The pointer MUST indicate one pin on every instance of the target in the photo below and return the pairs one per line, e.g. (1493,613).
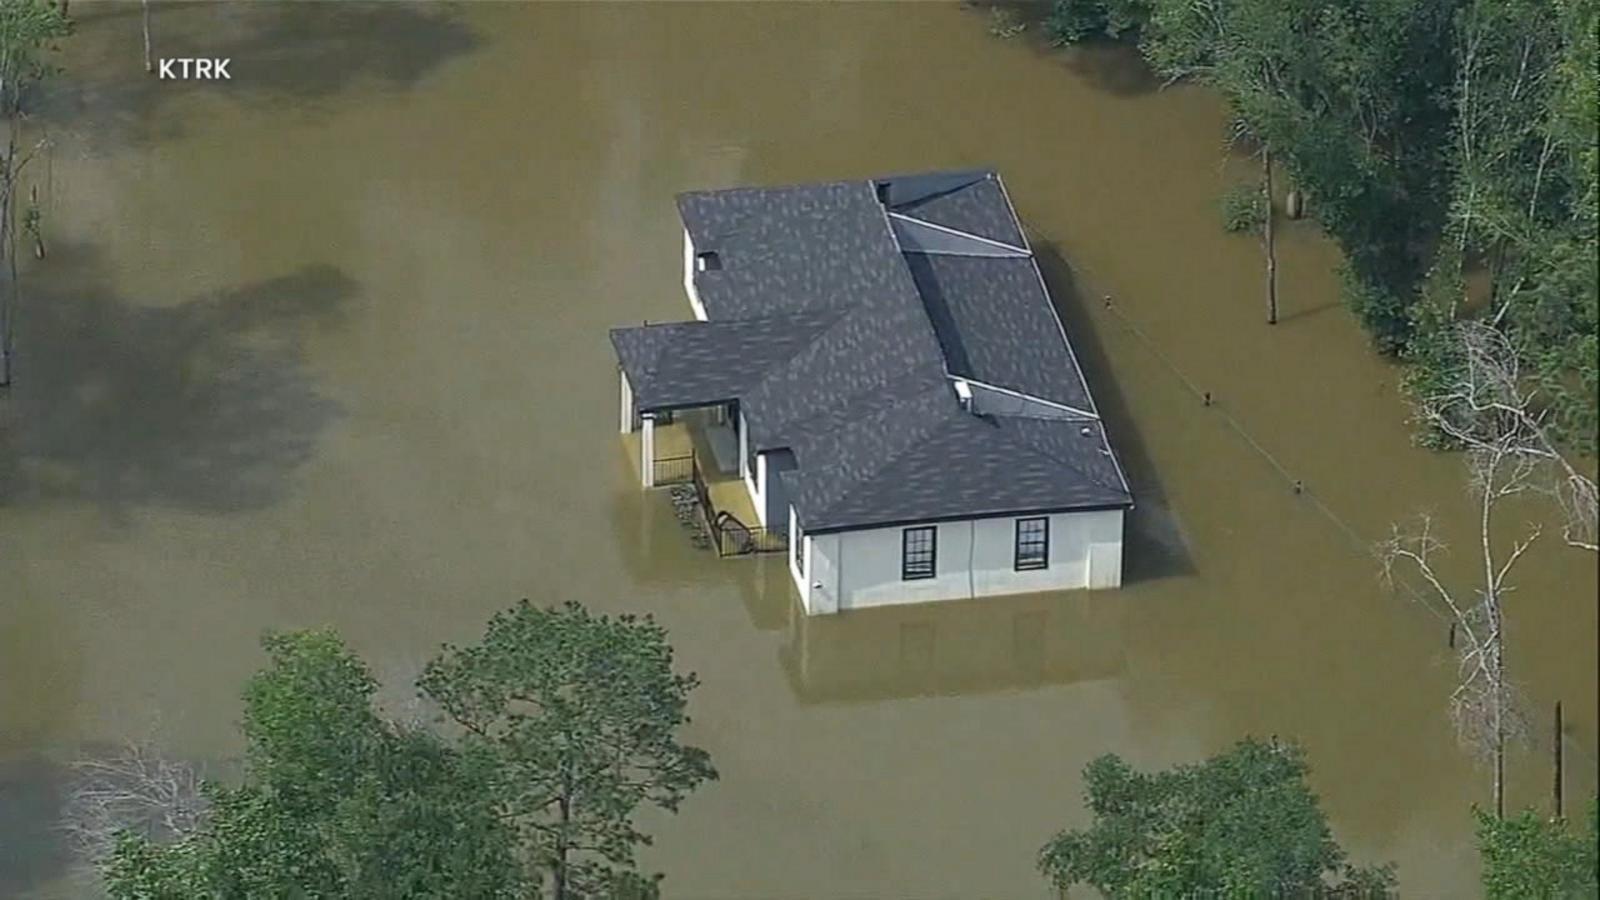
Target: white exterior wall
(974,558)
(688,277)
(801,582)
(755,480)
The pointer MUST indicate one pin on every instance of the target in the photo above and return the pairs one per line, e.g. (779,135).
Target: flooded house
(878,381)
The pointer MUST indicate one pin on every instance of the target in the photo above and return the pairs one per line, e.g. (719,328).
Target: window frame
(1039,540)
(907,572)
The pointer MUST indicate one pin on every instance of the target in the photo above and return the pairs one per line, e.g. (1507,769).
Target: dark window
(918,552)
(709,261)
(799,550)
(1033,543)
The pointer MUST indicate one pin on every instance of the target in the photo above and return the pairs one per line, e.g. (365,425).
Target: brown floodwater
(326,344)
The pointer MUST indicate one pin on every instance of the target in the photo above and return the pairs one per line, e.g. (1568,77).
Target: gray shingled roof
(997,326)
(839,330)
(978,207)
(684,364)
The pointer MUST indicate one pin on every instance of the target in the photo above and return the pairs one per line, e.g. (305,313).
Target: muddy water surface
(325,344)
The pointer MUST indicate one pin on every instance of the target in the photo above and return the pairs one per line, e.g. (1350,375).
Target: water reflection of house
(878,368)
(964,647)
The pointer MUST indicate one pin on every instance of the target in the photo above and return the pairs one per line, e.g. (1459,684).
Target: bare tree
(133,789)
(1484,707)
(1488,407)
(144,10)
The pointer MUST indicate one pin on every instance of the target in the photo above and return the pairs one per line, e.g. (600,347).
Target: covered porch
(678,412)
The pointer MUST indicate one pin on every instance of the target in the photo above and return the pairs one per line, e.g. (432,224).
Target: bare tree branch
(132,789)
(1487,409)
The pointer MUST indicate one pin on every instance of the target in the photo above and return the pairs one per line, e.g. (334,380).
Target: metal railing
(729,536)
(673,470)
(734,538)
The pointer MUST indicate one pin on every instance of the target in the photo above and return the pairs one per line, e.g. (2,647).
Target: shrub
(1243,208)
(1005,23)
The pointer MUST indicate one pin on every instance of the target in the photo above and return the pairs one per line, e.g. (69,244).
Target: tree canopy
(335,801)
(1529,856)
(581,713)
(567,724)
(1442,143)
(1242,823)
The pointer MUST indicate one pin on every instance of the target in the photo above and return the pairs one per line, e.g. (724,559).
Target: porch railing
(729,536)
(673,470)
(734,538)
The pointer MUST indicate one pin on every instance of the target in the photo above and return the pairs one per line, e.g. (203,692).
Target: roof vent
(964,394)
(708,261)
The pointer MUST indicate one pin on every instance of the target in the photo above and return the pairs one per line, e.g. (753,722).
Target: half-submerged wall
(974,558)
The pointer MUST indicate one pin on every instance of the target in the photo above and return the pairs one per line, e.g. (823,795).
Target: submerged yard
(326,345)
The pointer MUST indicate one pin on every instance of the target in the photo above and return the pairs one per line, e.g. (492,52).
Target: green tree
(1241,824)
(581,714)
(1523,195)
(1071,21)
(335,802)
(28,29)
(1528,857)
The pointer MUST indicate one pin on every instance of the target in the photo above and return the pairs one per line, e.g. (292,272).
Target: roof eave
(967,517)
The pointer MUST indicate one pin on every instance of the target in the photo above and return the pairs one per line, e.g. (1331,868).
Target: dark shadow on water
(1154,546)
(33,850)
(954,648)
(1308,313)
(37,847)
(1111,66)
(288,55)
(204,405)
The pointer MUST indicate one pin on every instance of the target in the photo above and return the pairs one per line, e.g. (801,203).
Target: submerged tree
(1480,399)
(581,715)
(335,802)
(1243,824)
(1484,705)
(27,30)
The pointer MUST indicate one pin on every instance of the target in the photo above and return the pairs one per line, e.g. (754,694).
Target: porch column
(647,451)
(626,425)
(744,447)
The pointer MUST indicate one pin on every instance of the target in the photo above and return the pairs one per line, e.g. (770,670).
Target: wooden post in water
(1272,252)
(1558,759)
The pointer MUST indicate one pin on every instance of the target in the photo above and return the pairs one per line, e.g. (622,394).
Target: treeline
(1442,144)
(1245,823)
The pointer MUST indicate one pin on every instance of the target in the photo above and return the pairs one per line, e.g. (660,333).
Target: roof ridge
(980,175)
(1015,251)
(727,325)
(870,479)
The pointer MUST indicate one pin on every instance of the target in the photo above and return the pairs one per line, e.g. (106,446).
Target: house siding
(858,569)
(688,277)
(776,509)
